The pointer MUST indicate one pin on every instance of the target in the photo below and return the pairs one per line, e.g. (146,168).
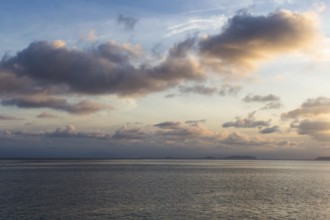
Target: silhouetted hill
(323,158)
(240,158)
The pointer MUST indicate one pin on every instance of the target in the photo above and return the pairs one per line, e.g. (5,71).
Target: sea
(164,189)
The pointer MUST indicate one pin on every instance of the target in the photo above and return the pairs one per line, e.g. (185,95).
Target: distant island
(323,158)
(232,157)
(240,158)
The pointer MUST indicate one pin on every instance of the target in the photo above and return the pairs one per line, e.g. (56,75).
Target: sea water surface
(164,189)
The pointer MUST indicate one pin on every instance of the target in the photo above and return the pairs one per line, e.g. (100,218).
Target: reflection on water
(164,189)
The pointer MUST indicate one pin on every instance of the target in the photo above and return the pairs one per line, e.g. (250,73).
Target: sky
(157,79)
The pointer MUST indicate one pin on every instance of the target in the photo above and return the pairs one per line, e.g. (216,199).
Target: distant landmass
(240,158)
(232,157)
(323,158)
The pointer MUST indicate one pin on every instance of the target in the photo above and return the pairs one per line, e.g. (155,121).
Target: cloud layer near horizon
(311,118)
(41,75)
(165,139)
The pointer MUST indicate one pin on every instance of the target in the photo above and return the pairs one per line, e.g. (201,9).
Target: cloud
(269,130)
(249,122)
(180,140)
(183,133)
(229,89)
(319,6)
(46,115)
(310,108)
(214,22)
(9,118)
(10,83)
(70,131)
(237,138)
(259,98)
(198,89)
(128,22)
(319,130)
(226,89)
(89,37)
(170,96)
(178,131)
(109,68)
(272,105)
(287,143)
(53,70)
(58,44)
(82,107)
(168,125)
(247,40)
(273,100)
(194,122)
(133,134)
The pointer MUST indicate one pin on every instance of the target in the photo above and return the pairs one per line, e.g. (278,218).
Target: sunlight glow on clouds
(247,40)
(106,82)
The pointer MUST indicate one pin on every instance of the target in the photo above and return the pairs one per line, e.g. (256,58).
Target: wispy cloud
(270,130)
(310,108)
(249,122)
(128,22)
(211,23)
(46,115)
(9,118)
(198,89)
(82,107)
(260,98)
(273,100)
(131,134)
(226,89)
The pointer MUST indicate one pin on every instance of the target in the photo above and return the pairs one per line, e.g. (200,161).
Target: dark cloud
(198,89)
(226,89)
(317,129)
(260,98)
(310,108)
(294,124)
(273,101)
(9,118)
(46,115)
(132,134)
(249,122)
(272,105)
(177,131)
(229,89)
(70,131)
(168,125)
(170,96)
(82,107)
(248,39)
(136,142)
(236,138)
(287,143)
(10,83)
(128,22)
(107,69)
(270,130)
(51,69)
(193,122)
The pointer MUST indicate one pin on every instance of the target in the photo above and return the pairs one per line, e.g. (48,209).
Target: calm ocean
(164,189)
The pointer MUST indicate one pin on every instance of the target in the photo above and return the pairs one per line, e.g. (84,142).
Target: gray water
(164,189)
